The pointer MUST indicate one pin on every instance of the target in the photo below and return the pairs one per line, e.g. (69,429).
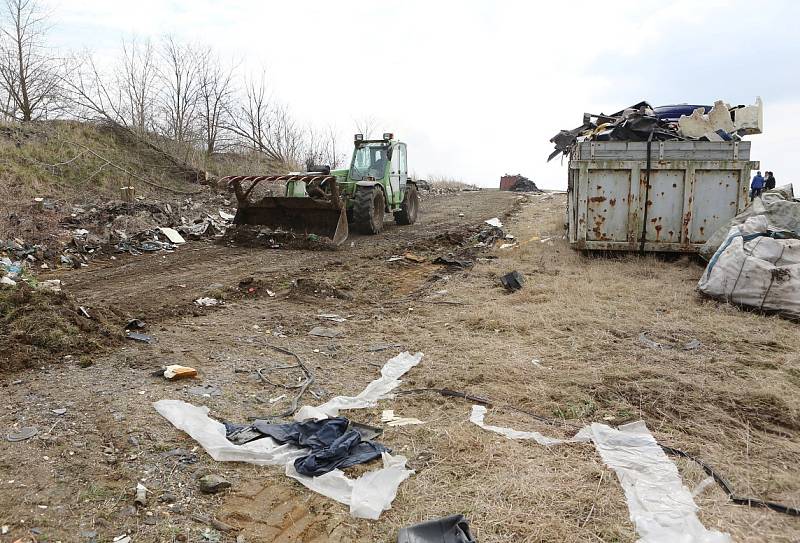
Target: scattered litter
(331,443)
(213,484)
(494,222)
(454,262)
(211,535)
(205,390)
(702,486)
(647,342)
(460,214)
(545,240)
(452,529)
(59,411)
(537,363)
(226,216)
(270,293)
(141,495)
(181,455)
(23,433)
(135,324)
(7,281)
(279,398)
(391,419)
(124,538)
(479,412)
(172,235)
(512,281)
(377,347)
(414,258)
(144,338)
(509,245)
(692,345)
(331,317)
(175,371)
(207,302)
(51,285)
(321,331)
(368,496)
(395,258)
(84,312)
(376,390)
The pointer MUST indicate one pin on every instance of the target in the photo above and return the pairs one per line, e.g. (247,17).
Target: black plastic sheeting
(333,442)
(452,529)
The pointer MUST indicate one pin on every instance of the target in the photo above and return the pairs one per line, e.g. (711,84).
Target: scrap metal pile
(642,122)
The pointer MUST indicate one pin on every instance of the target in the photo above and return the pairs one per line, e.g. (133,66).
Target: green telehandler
(325,202)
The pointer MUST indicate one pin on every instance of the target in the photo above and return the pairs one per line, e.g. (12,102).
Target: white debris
(51,285)
(225,216)
(750,119)
(7,281)
(494,222)
(172,235)
(661,507)
(479,412)
(390,419)
(207,302)
(376,390)
(277,399)
(331,317)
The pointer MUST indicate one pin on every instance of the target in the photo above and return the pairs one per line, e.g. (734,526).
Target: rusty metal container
(618,200)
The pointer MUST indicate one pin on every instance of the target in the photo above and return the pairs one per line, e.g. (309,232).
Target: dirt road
(732,401)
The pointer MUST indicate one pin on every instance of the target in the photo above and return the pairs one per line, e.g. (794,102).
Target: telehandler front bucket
(321,212)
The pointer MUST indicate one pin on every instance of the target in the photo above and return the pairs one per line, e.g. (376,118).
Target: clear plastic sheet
(660,506)
(368,496)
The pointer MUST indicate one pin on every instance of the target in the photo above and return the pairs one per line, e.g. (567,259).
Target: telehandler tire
(368,210)
(409,209)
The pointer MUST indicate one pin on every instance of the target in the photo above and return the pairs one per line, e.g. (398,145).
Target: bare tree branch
(29,73)
(215,99)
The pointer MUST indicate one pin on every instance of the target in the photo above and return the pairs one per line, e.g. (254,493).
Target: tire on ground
(409,209)
(368,210)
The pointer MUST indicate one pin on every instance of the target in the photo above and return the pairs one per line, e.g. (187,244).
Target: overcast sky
(477,88)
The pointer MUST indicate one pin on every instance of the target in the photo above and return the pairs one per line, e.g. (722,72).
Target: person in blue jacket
(756,186)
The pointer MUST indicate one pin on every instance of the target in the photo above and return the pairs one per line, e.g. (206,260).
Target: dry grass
(447,183)
(733,402)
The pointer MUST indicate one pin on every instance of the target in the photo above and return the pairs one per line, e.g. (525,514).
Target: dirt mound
(37,326)
(244,235)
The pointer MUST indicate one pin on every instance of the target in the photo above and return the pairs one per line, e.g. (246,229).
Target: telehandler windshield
(369,161)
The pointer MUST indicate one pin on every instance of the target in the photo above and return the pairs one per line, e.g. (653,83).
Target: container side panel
(607,207)
(664,205)
(716,193)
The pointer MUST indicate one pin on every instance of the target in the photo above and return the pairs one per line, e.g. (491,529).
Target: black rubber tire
(409,209)
(368,210)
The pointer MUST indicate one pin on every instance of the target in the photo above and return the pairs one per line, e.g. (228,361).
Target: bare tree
(136,80)
(92,94)
(320,148)
(180,89)
(267,127)
(28,72)
(366,126)
(214,101)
